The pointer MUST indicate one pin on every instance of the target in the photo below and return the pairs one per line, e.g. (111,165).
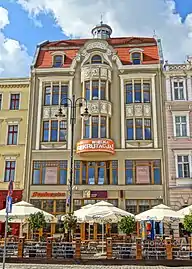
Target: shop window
(138,91)
(14,101)
(55,93)
(142,172)
(138,206)
(96,173)
(53,206)
(50,172)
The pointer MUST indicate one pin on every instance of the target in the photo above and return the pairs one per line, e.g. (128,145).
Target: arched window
(57,60)
(136,58)
(96,59)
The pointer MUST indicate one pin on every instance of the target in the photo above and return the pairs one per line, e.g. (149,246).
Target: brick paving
(52,266)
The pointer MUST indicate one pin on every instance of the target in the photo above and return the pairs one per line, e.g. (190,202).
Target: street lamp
(73,104)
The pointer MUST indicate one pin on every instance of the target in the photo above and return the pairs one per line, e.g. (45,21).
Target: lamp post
(73,104)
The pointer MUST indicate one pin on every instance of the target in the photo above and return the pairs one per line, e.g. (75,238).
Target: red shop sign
(99,194)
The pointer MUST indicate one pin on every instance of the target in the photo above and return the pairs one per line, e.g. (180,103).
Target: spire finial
(101,19)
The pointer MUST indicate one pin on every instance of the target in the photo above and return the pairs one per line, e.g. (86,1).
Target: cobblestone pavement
(52,266)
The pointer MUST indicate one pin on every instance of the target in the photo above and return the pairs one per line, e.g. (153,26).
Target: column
(154,113)
(122,115)
(39,109)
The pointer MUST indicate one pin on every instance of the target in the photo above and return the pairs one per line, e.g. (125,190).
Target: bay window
(96,173)
(138,129)
(143,172)
(97,90)
(49,172)
(96,127)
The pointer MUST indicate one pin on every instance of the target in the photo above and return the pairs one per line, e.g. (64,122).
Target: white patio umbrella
(185,211)
(160,213)
(81,213)
(21,211)
(104,212)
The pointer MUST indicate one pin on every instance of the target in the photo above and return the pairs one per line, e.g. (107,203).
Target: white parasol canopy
(160,213)
(185,211)
(81,213)
(21,211)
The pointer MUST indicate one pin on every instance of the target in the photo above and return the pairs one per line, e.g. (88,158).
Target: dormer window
(96,59)
(136,58)
(57,60)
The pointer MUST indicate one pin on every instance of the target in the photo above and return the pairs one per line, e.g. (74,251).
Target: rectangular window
(178,90)
(50,172)
(181,126)
(86,128)
(95,90)
(54,130)
(87,90)
(14,102)
(55,95)
(138,91)
(12,134)
(9,171)
(96,173)
(47,96)
(55,207)
(143,172)
(138,129)
(183,166)
(1,97)
(95,127)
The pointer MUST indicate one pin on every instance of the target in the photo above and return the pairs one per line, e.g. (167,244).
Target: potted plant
(36,222)
(70,224)
(127,225)
(188,223)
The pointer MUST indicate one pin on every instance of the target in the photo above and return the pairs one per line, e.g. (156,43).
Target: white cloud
(14,59)
(127,18)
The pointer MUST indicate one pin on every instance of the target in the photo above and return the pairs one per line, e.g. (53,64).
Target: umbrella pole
(102,238)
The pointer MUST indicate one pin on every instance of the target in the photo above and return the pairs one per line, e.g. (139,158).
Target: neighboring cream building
(14,96)
(178,109)
(121,79)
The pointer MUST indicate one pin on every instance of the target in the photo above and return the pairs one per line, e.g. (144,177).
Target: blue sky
(76,18)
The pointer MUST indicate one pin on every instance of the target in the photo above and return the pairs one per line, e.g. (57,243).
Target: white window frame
(180,114)
(183,153)
(136,50)
(178,80)
(58,53)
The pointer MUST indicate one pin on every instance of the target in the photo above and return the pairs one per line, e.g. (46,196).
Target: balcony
(95,147)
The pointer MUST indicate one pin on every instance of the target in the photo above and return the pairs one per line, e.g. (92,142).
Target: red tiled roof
(150,54)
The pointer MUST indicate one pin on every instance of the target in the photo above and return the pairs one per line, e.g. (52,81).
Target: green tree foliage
(188,222)
(36,221)
(127,225)
(70,222)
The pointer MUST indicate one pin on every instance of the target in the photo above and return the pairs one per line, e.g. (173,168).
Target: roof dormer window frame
(55,54)
(133,59)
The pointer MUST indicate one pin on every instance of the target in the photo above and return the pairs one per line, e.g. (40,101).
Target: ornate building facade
(14,97)
(118,153)
(178,109)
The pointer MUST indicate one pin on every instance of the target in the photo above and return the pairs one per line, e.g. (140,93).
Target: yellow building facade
(14,99)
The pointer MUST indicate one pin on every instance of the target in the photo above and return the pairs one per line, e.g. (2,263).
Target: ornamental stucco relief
(88,73)
(138,110)
(129,110)
(98,107)
(50,112)
(147,110)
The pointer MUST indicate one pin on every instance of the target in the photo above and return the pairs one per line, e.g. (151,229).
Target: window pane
(137,88)
(54,130)
(91,175)
(178,130)
(62,130)
(136,58)
(60,206)
(86,128)
(103,90)
(48,206)
(57,61)
(63,176)
(95,127)
(128,172)
(95,90)
(184,130)
(186,170)
(47,97)
(64,94)
(130,130)
(45,131)
(157,176)
(101,175)
(36,176)
(55,95)
(96,59)
(180,170)
(143,205)
(103,127)
(87,90)
(139,129)
(147,129)
(77,172)
(129,93)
